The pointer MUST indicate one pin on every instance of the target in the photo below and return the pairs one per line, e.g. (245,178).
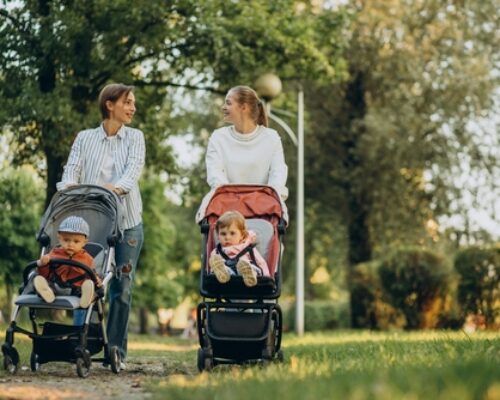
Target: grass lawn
(355,365)
(328,365)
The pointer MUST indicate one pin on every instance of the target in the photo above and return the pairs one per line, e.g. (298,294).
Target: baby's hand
(44,260)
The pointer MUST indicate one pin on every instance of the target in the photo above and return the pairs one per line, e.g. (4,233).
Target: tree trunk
(360,249)
(359,233)
(54,173)
(143,320)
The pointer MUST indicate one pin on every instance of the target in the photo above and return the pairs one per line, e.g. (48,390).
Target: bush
(372,309)
(479,281)
(318,315)
(416,281)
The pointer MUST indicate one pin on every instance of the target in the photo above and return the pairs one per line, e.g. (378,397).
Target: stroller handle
(31,266)
(57,262)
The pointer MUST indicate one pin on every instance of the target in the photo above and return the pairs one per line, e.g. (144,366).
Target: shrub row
(318,315)
(479,285)
(414,288)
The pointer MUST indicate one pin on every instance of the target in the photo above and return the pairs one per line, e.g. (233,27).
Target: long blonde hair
(246,95)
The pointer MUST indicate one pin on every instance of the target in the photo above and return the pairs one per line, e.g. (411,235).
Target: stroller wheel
(82,368)
(115,359)
(205,362)
(34,364)
(280,356)
(10,359)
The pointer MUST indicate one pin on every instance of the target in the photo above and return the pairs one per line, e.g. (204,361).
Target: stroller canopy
(253,201)
(101,208)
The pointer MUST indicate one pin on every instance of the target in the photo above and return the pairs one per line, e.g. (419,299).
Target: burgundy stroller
(236,323)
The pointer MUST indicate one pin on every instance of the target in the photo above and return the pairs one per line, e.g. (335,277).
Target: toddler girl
(233,239)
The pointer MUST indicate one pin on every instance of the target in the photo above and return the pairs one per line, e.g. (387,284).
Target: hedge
(479,282)
(318,315)
(416,281)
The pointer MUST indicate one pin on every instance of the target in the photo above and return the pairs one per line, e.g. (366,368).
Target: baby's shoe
(87,293)
(249,275)
(217,266)
(43,289)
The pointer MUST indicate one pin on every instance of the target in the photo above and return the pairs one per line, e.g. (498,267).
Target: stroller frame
(59,342)
(237,324)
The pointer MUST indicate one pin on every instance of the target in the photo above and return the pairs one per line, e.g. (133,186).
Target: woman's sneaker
(43,289)
(87,293)
(219,269)
(249,275)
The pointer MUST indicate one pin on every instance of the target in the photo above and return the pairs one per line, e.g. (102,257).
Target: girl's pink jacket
(233,250)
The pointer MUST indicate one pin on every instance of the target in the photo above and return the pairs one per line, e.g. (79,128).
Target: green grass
(356,365)
(329,365)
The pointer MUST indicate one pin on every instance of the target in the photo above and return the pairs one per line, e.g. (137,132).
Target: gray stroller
(76,344)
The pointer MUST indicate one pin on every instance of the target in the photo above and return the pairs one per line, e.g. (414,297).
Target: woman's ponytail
(262,114)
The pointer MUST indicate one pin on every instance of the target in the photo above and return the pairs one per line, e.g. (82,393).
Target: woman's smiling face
(123,109)
(231,110)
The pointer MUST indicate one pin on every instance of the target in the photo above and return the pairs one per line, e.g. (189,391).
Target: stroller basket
(227,324)
(60,341)
(240,332)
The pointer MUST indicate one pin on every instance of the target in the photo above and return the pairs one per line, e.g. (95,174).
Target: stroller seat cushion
(264,231)
(60,302)
(94,249)
(97,251)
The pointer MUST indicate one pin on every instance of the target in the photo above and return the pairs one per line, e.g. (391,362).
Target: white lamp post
(269,86)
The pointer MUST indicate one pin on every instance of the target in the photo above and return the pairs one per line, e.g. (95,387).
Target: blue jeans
(120,289)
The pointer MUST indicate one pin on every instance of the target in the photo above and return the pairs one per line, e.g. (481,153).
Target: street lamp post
(269,86)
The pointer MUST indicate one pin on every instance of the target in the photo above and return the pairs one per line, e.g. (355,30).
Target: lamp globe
(268,86)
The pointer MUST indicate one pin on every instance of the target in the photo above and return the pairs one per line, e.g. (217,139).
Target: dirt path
(60,381)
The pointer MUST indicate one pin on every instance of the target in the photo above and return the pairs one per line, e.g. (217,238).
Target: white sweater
(255,158)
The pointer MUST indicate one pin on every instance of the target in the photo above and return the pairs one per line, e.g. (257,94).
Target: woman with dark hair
(112,155)
(247,151)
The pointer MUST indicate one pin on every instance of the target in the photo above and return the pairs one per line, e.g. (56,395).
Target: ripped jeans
(120,290)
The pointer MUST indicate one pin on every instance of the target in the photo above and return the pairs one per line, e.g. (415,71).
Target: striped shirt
(87,158)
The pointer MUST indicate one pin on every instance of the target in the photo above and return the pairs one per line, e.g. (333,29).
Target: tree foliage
(391,89)
(385,145)
(20,208)
(58,54)
(169,263)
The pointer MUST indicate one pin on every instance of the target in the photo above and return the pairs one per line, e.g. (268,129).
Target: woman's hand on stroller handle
(119,191)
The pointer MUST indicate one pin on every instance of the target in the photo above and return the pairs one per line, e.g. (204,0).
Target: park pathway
(59,381)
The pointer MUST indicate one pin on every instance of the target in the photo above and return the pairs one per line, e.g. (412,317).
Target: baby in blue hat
(73,235)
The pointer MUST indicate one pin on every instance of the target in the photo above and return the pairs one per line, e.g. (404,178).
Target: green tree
(20,209)
(57,55)
(386,145)
(169,261)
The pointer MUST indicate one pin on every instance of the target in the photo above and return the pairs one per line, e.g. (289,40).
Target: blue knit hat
(75,225)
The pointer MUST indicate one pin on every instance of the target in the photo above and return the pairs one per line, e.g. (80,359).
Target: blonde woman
(247,151)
